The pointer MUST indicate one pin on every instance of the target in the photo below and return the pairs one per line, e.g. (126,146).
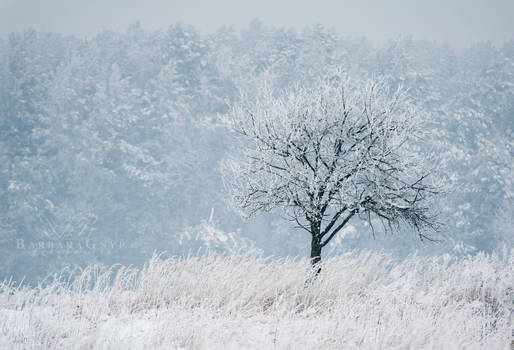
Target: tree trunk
(316,254)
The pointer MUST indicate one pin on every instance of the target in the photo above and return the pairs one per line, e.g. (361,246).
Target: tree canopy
(326,153)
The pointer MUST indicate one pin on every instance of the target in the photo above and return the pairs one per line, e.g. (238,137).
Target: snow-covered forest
(114,148)
(111,146)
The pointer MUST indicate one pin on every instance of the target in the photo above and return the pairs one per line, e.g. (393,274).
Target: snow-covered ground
(359,301)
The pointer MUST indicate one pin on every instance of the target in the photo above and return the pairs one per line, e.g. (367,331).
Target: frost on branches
(328,153)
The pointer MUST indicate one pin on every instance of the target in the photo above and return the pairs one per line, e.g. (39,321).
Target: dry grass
(360,300)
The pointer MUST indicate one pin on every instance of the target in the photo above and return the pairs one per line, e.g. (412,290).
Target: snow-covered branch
(326,153)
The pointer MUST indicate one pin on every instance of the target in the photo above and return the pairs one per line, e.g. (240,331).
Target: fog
(111,148)
(457,23)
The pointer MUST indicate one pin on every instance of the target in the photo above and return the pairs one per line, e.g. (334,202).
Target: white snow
(359,301)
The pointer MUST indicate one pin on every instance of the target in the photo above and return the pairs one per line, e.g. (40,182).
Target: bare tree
(328,153)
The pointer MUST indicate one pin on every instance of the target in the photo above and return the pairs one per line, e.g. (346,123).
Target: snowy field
(359,301)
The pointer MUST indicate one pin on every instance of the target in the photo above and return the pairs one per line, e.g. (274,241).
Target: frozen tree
(329,153)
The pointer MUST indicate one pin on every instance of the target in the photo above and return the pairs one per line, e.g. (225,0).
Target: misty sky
(457,22)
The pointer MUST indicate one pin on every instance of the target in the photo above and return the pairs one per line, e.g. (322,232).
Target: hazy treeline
(110,147)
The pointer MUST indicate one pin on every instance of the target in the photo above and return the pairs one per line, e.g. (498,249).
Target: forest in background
(110,147)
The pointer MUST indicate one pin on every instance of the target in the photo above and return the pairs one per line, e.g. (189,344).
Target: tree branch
(338,228)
